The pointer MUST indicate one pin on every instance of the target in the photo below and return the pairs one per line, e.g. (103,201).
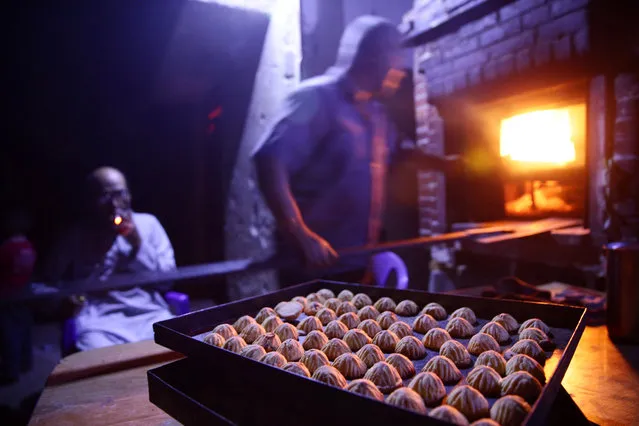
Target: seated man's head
(370,50)
(107,196)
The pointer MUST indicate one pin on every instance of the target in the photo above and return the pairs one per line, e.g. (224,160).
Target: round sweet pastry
(538,336)
(410,346)
(252,332)
(521,383)
(435,338)
(255,352)
(444,369)
(482,342)
(401,329)
(468,401)
(297,368)
(346,307)
(271,323)
(527,347)
(312,308)
(384,304)
(335,330)
(333,303)
(449,414)
(498,332)
(465,313)
(435,310)
(525,363)
(334,348)
(234,344)
(270,342)
(326,293)
(350,366)
(370,354)
(356,339)
(291,349)
(331,376)
(314,297)
(460,328)
(430,387)
(407,399)
(402,364)
(326,315)
(301,300)
(386,319)
(289,310)
(534,323)
(385,377)
(287,331)
(360,300)
(365,388)
(263,314)
(370,327)
(386,340)
(309,324)
(275,359)
(314,359)
(510,410)
(315,340)
(350,319)
(423,323)
(484,422)
(368,312)
(345,295)
(214,339)
(507,321)
(494,360)
(456,352)
(407,308)
(485,380)
(243,322)
(225,330)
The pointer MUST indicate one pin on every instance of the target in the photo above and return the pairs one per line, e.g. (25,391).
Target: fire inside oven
(543,154)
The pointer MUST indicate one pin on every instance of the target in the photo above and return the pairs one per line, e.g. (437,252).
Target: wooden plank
(149,278)
(111,359)
(110,399)
(538,227)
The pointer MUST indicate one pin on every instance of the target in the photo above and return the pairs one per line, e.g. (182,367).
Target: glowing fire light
(538,137)
(118,220)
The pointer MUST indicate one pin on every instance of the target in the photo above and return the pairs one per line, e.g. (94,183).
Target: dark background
(130,85)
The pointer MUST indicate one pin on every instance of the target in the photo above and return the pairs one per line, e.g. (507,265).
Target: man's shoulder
(146,220)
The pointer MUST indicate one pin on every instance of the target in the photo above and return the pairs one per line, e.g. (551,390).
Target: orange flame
(117,220)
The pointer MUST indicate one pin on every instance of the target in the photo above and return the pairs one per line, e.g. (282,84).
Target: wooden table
(109,386)
(104,387)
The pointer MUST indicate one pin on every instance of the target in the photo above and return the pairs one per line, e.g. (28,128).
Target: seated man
(112,238)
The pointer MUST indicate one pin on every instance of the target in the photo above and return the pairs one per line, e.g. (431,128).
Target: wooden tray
(300,396)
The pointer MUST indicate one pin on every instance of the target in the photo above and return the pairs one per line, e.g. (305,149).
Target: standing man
(112,238)
(322,165)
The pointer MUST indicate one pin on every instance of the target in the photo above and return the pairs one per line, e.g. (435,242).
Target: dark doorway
(158,89)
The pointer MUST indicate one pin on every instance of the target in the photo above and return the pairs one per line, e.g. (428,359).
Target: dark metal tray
(299,397)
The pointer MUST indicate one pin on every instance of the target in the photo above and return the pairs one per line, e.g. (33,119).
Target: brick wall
(522,35)
(515,39)
(431,185)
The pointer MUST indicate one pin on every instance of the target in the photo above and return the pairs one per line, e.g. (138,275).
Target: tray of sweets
(383,364)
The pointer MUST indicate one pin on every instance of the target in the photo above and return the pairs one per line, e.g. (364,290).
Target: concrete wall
(249,224)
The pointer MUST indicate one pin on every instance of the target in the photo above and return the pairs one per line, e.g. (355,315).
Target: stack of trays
(335,353)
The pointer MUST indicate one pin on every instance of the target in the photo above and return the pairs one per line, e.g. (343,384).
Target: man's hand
(317,252)
(129,231)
